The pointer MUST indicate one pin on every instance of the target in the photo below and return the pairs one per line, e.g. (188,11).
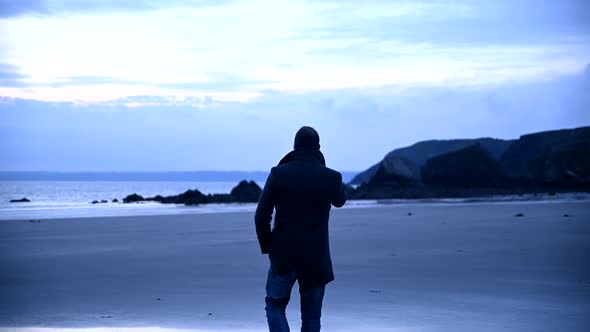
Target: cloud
(10,76)
(460,22)
(357,126)
(249,47)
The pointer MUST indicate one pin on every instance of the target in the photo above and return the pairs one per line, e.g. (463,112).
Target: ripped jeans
(278,294)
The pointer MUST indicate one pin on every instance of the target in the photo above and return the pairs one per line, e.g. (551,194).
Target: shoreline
(29,211)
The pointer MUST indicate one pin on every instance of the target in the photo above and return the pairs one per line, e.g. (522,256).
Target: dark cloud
(10,76)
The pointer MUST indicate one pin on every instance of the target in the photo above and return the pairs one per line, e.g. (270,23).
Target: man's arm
(264,212)
(339,197)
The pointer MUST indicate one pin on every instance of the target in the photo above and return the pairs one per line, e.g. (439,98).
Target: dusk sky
(224,85)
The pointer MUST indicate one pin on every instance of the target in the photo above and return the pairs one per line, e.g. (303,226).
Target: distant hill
(533,154)
(472,166)
(556,160)
(420,152)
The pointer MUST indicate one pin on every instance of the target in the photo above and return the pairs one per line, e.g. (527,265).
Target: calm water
(54,199)
(67,199)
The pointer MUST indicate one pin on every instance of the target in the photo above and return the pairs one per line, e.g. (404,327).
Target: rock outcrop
(470,167)
(421,152)
(244,192)
(550,157)
(189,197)
(564,165)
(22,200)
(397,171)
(133,198)
(554,161)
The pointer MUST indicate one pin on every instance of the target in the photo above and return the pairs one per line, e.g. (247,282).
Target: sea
(69,199)
(71,195)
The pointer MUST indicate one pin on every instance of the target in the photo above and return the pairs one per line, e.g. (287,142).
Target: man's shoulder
(333,173)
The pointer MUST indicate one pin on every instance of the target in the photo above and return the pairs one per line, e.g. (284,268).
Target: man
(301,190)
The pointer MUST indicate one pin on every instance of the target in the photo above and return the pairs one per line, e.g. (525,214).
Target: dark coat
(302,191)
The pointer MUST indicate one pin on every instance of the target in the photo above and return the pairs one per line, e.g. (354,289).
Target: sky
(224,85)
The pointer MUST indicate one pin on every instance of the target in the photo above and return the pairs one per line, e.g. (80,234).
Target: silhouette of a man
(302,190)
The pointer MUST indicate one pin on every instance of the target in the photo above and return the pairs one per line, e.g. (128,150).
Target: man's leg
(278,293)
(311,308)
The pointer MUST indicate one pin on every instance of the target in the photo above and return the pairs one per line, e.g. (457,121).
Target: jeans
(278,293)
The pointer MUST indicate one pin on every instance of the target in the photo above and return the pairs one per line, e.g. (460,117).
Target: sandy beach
(445,267)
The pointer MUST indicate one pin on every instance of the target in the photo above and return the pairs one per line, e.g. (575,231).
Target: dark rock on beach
(246,192)
(102,201)
(189,197)
(133,198)
(22,200)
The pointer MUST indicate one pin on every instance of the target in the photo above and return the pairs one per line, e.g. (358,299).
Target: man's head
(307,138)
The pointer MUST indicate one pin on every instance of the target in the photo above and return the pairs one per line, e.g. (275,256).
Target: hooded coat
(302,190)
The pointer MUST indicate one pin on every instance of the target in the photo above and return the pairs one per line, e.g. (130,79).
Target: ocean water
(60,199)
(72,199)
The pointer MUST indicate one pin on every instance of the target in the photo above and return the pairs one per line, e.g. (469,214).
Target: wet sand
(454,267)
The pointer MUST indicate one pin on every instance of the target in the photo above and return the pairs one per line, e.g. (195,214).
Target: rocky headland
(552,161)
